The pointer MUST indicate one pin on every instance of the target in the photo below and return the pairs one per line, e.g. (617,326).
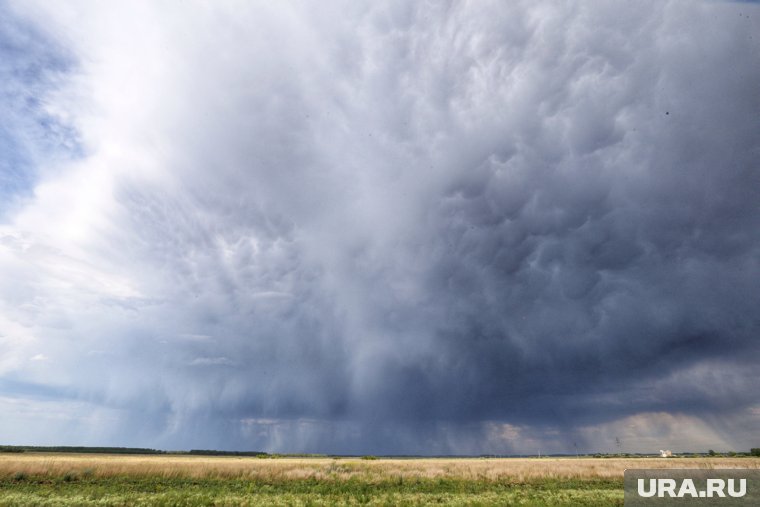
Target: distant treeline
(142,450)
(258,454)
(79,449)
(209,452)
(122,450)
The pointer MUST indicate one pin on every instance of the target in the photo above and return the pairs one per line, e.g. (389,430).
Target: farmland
(86,479)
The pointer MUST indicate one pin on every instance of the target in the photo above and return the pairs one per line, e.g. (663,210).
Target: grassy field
(86,479)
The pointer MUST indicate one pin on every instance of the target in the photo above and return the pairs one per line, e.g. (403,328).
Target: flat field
(47,479)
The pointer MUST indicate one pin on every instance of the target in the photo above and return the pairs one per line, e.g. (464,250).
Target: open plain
(86,479)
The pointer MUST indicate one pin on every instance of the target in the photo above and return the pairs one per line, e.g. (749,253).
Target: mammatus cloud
(399,229)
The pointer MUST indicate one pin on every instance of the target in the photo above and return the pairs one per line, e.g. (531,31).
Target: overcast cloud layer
(346,227)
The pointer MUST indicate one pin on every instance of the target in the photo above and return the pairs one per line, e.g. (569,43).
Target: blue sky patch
(31,66)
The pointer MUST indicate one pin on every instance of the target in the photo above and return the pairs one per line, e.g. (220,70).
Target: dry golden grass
(518,469)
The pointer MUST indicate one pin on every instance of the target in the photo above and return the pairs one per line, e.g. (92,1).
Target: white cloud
(211,361)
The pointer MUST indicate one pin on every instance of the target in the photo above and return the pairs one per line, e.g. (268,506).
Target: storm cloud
(361,228)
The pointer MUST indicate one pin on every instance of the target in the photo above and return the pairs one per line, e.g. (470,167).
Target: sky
(380,227)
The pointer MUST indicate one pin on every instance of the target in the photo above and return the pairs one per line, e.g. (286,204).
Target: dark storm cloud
(403,229)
